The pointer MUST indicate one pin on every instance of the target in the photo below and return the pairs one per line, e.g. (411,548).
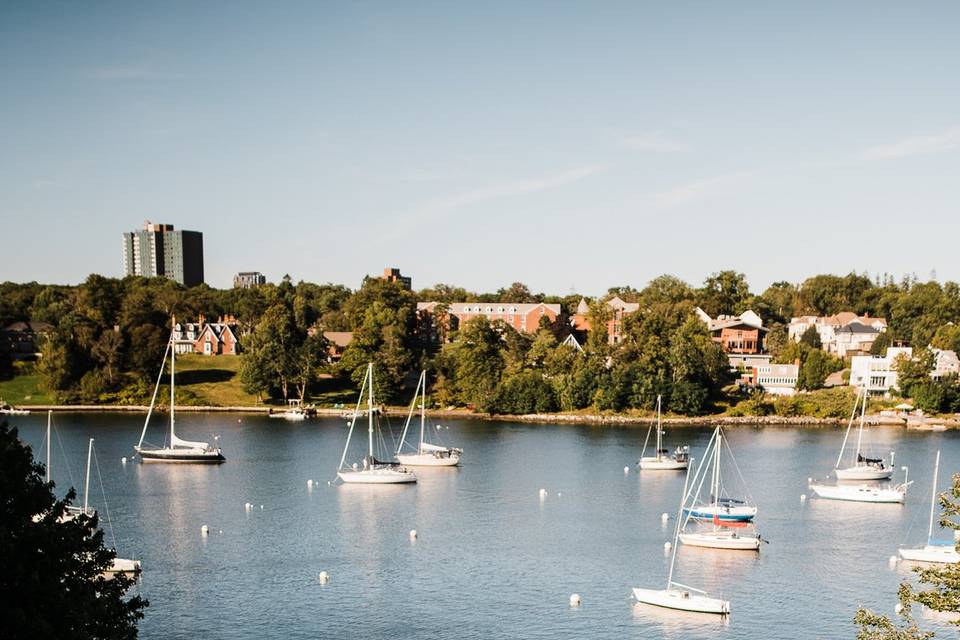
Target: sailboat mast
(863,411)
(933,495)
(370,411)
(676,531)
(659,431)
(716,470)
(853,414)
(49,418)
(86,483)
(423,408)
(156,390)
(173,367)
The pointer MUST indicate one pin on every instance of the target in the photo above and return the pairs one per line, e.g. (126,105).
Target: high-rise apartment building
(159,250)
(249,280)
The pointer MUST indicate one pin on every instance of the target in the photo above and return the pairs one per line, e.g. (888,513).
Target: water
(491,559)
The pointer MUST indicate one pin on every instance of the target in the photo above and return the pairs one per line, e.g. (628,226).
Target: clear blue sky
(565,145)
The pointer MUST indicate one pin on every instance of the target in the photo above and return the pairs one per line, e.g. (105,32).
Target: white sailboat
(676,595)
(943,552)
(735,532)
(863,468)
(720,506)
(372,471)
(426,454)
(662,460)
(177,449)
(294,412)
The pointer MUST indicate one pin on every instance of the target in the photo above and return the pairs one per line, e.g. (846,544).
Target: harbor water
(491,559)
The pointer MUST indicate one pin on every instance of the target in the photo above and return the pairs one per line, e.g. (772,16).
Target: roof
(729,323)
(522,308)
(571,341)
(36,326)
(857,327)
(627,307)
(339,338)
(583,307)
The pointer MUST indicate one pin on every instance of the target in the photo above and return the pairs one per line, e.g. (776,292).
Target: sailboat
(373,471)
(177,450)
(734,532)
(676,595)
(720,506)
(945,552)
(663,460)
(863,468)
(426,454)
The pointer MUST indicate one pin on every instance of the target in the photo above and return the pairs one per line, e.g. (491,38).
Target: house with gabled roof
(736,334)
(619,309)
(217,338)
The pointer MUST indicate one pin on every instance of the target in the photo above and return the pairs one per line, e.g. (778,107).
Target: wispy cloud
(120,73)
(507,189)
(946,140)
(714,186)
(654,142)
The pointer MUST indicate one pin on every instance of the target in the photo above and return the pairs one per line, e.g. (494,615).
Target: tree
(776,340)
(108,351)
(52,584)
(477,362)
(517,292)
(811,338)
(724,293)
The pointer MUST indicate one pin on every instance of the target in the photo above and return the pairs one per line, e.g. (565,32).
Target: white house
(877,373)
(842,334)
(945,362)
(777,379)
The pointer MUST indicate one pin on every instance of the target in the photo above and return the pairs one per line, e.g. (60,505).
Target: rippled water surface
(492,560)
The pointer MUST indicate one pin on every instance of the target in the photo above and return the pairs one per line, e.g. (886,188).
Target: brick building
(393,275)
(524,317)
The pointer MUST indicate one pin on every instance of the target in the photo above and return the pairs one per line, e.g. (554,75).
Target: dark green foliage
(811,338)
(52,584)
(525,392)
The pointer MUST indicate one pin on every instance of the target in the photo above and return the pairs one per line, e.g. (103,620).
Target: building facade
(878,374)
(741,334)
(249,280)
(391,274)
(843,334)
(208,338)
(777,379)
(159,250)
(618,311)
(524,317)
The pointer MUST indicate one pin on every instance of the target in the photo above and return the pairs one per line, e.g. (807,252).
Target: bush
(525,392)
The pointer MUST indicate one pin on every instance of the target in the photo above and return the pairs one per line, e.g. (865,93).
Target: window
(207,347)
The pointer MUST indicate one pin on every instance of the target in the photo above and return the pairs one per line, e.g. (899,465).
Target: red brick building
(524,317)
(736,334)
(618,311)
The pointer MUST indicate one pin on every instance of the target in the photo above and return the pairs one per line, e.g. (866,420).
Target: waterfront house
(21,339)
(878,374)
(337,341)
(777,379)
(741,334)
(843,334)
(218,338)
(945,362)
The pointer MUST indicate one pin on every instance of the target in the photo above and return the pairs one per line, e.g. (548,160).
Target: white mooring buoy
(123,460)
(261,507)
(543,493)
(897,609)
(204,530)
(892,560)
(324,577)
(309,484)
(626,470)
(667,545)
(413,534)
(809,480)
(574,599)
(664,517)
(803,497)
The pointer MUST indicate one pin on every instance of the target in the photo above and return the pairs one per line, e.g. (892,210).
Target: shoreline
(538,418)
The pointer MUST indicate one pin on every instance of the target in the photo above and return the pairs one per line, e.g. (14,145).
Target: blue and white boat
(721,507)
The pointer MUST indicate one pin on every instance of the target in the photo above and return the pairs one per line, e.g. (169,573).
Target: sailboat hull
(720,512)
(863,472)
(859,493)
(721,540)
(377,476)
(682,600)
(429,459)
(941,554)
(188,456)
(648,463)
(122,565)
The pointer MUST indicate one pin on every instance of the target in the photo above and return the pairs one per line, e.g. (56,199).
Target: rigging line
(66,461)
(106,505)
(736,467)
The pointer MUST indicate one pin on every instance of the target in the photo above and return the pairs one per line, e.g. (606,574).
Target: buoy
(354,466)
(543,493)
(809,480)
(220,532)
(309,484)
(559,495)
(261,507)
(413,534)
(897,609)
(204,530)
(329,483)
(667,545)
(626,470)
(803,497)
(324,577)
(892,560)
(574,599)
(664,517)
(123,460)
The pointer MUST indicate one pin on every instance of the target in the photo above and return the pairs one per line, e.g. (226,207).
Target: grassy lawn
(211,380)
(24,390)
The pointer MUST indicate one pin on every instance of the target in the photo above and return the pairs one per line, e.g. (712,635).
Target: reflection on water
(491,558)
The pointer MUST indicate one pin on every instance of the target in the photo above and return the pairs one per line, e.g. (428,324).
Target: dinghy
(371,470)
(676,595)
(662,460)
(942,552)
(425,454)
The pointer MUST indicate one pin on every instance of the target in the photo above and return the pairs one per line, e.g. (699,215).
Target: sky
(572,146)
